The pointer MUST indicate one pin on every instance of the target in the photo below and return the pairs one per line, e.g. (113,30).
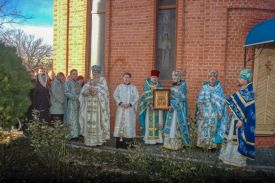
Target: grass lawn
(22,162)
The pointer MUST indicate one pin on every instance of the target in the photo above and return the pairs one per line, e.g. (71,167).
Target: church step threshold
(264,156)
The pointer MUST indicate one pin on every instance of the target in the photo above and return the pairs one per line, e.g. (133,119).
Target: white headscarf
(43,81)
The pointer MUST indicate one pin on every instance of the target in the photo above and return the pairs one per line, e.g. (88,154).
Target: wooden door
(264,86)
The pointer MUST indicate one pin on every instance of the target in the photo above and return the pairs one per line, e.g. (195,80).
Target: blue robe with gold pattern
(179,108)
(146,101)
(242,106)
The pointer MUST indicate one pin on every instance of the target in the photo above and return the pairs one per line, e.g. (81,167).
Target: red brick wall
(241,18)
(210,34)
(265,141)
(204,43)
(129,43)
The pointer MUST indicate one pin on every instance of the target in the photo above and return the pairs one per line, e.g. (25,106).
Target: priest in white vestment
(126,97)
(95,110)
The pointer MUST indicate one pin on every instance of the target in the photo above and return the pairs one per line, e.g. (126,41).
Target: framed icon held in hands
(161,99)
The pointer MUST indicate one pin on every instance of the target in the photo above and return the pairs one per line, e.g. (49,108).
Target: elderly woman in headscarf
(94,110)
(57,97)
(51,75)
(239,141)
(41,97)
(176,128)
(211,113)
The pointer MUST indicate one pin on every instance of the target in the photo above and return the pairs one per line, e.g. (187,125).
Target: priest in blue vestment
(176,128)
(239,141)
(211,113)
(151,120)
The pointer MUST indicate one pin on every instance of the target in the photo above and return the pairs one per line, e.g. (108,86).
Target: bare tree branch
(10,14)
(33,52)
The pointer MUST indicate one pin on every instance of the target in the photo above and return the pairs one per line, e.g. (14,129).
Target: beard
(96,79)
(239,84)
(154,81)
(211,83)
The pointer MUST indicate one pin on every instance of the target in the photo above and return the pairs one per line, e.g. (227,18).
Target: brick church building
(191,35)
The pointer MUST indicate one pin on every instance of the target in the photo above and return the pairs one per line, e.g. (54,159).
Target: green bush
(15,85)
(49,143)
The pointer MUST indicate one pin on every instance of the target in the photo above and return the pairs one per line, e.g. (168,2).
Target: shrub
(15,85)
(143,163)
(49,143)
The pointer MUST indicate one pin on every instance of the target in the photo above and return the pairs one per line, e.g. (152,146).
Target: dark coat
(41,100)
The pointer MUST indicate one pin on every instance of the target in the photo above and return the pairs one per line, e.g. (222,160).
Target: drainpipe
(98,33)
(245,53)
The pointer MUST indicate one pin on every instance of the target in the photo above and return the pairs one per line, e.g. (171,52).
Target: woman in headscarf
(41,97)
(57,97)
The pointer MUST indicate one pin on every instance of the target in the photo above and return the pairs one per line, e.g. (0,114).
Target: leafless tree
(9,13)
(34,52)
